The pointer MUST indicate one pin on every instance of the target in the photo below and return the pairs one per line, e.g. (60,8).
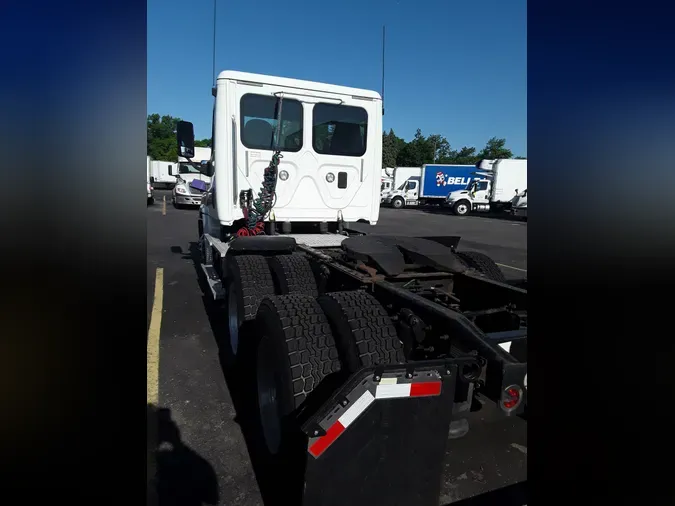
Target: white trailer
(500,181)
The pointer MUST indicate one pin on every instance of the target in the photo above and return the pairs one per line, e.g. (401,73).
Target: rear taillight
(511,397)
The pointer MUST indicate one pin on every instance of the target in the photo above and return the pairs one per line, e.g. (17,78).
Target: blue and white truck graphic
(433,186)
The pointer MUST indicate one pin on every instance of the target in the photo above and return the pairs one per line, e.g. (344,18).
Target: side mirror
(185,135)
(206,168)
(170,170)
(152,180)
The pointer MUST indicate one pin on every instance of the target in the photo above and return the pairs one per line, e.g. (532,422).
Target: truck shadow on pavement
(279,481)
(176,474)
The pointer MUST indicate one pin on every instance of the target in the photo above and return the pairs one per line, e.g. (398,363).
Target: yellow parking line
(511,267)
(153,339)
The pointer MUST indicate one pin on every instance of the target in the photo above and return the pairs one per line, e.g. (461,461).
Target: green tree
(417,152)
(391,145)
(495,148)
(162,143)
(203,143)
(440,149)
(466,156)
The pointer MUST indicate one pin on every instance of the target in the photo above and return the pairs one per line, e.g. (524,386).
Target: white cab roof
(297,83)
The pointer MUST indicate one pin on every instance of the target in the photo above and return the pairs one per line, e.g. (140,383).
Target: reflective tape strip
(361,404)
(384,390)
(421,389)
(324,442)
(392,391)
(356,409)
(425,389)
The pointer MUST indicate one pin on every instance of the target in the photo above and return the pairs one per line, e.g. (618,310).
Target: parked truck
(496,183)
(160,171)
(356,346)
(400,177)
(190,184)
(519,205)
(431,186)
(149,181)
(387,180)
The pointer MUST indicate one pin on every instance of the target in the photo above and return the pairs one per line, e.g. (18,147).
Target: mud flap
(382,438)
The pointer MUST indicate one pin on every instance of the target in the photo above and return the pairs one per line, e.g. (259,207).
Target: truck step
(318,240)
(214,282)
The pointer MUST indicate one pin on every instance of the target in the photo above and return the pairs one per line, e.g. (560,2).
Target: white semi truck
(190,184)
(497,183)
(355,346)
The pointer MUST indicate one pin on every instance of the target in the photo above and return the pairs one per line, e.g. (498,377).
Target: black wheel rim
(268,399)
(233,317)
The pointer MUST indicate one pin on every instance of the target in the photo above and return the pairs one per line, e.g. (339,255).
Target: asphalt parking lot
(200,447)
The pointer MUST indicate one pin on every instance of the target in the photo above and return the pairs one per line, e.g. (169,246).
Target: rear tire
(398,203)
(364,333)
(483,264)
(295,353)
(250,281)
(293,274)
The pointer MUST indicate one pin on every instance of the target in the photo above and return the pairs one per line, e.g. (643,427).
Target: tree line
(162,138)
(435,148)
(396,152)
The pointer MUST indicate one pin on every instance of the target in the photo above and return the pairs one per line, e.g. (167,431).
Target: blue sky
(454,68)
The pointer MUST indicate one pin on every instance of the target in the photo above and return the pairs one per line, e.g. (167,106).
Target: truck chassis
(339,328)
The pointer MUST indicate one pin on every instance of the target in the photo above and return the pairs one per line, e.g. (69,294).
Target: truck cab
(327,138)
(476,192)
(406,194)
(493,188)
(385,187)
(519,205)
(191,185)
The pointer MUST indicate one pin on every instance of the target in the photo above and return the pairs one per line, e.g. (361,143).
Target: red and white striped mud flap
(389,386)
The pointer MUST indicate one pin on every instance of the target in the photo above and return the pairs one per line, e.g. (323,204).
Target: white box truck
(499,182)
(161,174)
(399,178)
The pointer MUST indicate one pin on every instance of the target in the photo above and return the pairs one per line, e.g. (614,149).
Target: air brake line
(256,211)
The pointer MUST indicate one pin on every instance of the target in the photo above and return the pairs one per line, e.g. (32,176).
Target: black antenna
(383,40)
(214,43)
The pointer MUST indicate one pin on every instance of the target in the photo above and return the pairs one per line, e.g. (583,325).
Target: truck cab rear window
(259,118)
(339,130)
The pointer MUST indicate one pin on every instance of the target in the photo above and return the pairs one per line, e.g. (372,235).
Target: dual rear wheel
(296,339)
